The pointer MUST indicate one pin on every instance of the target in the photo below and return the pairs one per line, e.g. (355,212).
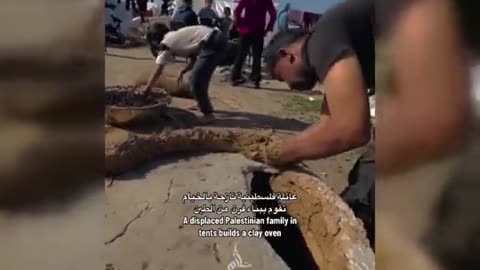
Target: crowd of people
(203,39)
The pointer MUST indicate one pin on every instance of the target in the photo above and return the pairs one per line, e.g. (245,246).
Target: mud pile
(138,149)
(126,104)
(334,237)
(129,96)
(170,84)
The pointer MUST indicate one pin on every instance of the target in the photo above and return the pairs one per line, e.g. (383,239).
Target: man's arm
(345,121)
(272,12)
(428,114)
(190,65)
(238,12)
(161,62)
(156,74)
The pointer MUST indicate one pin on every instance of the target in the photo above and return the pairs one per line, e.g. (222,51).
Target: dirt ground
(155,188)
(272,107)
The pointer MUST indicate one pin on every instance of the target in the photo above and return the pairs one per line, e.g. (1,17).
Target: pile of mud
(126,104)
(335,238)
(139,149)
(130,96)
(170,84)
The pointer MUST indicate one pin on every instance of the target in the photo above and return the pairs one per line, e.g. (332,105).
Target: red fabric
(255,17)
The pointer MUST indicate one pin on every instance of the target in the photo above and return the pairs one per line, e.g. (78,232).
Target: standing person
(205,47)
(340,53)
(252,30)
(226,23)
(207,15)
(184,16)
(282,18)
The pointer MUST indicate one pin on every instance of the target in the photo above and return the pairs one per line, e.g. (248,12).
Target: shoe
(239,81)
(252,81)
(206,119)
(252,84)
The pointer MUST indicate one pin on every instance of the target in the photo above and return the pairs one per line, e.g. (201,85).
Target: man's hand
(272,153)
(187,68)
(146,89)
(180,78)
(156,74)
(275,156)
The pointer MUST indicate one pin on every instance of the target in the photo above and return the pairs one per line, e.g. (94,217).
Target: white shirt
(154,7)
(184,42)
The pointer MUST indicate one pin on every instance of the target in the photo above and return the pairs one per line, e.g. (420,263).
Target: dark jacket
(185,16)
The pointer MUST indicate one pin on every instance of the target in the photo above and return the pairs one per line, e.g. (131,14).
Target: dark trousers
(208,59)
(360,193)
(247,42)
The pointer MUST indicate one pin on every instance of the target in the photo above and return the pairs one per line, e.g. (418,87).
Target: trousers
(208,59)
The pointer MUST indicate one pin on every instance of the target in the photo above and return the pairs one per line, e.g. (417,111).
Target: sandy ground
(151,196)
(158,193)
(240,106)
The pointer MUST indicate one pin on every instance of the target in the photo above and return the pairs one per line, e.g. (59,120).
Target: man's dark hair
(281,40)
(155,35)
(188,2)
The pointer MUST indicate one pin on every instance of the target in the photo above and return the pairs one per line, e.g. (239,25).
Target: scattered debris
(110,266)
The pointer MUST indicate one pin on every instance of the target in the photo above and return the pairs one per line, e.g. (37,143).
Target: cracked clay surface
(334,236)
(159,237)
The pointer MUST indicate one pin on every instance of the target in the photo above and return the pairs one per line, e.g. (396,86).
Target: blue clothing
(208,17)
(207,13)
(185,16)
(282,21)
(209,58)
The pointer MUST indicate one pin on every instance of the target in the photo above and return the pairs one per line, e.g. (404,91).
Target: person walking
(252,29)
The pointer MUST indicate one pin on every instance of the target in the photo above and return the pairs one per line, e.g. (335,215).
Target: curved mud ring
(335,237)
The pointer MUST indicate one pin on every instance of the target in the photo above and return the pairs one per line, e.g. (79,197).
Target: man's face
(292,69)
(227,13)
